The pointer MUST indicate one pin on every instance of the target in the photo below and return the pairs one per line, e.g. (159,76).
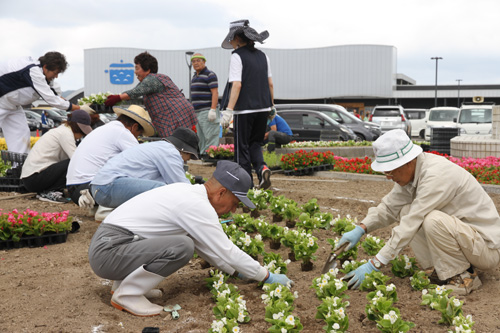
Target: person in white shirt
(155,233)
(102,144)
(44,170)
(444,214)
(144,167)
(23,81)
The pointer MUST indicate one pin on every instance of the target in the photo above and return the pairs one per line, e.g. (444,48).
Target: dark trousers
(52,178)
(249,133)
(275,137)
(74,191)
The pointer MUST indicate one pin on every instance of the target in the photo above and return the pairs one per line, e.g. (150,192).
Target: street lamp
(436,85)
(458,98)
(188,56)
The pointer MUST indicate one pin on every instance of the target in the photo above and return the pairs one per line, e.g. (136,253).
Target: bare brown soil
(53,289)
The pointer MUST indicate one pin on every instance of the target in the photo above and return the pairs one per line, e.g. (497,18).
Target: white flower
(424,292)
(456,302)
(340,312)
(408,265)
(258,237)
(440,289)
(283,330)
(236,329)
(278,315)
(392,316)
(290,320)
(336,326)
(217,326)
(390,287)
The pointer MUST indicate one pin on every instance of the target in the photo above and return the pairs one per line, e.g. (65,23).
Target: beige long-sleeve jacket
(438,185)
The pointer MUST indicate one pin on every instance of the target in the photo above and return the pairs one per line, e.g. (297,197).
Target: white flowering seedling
(327,285)
(392,322)
(437,299)
(372,245)
(372,280)
(351,265)
(404,266)
(420,281)
(333,311)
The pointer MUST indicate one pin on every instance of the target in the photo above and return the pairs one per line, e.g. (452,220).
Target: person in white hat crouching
(444,214)
(155,233)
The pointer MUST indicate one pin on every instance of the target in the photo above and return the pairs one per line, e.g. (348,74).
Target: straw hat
(392,150)
(138,114)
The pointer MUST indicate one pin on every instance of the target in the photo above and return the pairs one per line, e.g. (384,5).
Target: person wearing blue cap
(139,248)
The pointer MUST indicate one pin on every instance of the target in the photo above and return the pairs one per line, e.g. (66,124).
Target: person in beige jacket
(444,214)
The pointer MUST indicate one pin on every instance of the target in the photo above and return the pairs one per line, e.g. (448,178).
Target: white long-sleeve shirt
(22,82)
(438,185)
(56,145)
(184,209)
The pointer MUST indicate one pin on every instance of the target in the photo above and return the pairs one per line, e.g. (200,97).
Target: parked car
(391,117)
(309,125)
(475,119)
(417,121)
(35,121)
(363,130)
(52,113)
(441,116)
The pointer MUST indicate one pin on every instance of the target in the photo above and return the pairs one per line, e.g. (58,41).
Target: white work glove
(212,115)
(226,118)
(87,108)
(86,200)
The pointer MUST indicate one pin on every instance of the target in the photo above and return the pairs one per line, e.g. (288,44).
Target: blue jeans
(120,190)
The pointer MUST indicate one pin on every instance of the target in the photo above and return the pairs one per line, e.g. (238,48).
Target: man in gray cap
(444,214)
(144,167)
(155,233)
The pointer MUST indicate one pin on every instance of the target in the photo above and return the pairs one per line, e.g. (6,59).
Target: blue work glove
(358,275)
(278,278)
(352,237)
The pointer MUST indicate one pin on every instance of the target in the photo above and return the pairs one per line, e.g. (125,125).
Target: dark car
(363,130)
(35,121)
(309,125)
(52,113)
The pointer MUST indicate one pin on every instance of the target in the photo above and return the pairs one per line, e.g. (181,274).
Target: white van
(417,120)
(475,119)
(440,117)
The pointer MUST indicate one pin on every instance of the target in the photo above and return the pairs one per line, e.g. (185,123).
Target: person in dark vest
(165,103)
(249,97)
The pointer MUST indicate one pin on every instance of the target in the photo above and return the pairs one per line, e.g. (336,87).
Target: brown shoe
(463,284)
(433,277)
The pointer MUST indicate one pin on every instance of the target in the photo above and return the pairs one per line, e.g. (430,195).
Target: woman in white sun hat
(444,214)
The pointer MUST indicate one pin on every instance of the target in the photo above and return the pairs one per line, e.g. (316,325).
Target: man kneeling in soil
(156,233)
(444,214)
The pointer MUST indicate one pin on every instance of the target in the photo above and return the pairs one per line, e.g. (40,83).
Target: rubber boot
(130,295)
(101,213)
(153,293)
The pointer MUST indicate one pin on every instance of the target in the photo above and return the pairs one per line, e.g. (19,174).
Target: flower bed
(221,151)
(485,170)
(303,159)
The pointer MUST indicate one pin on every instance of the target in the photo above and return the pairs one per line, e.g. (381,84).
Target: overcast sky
(466,34)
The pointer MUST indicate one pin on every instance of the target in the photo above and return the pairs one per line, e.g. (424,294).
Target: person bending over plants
(139,248)
(444,214)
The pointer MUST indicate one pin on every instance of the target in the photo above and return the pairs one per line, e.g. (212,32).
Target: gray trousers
(115,252)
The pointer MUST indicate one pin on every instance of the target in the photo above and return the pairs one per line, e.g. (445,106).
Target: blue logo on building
(121,73)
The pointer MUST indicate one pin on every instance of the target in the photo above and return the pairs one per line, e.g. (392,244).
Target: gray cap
(82,119)
(235,179)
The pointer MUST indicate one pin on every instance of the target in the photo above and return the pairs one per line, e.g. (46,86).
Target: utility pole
(458,98)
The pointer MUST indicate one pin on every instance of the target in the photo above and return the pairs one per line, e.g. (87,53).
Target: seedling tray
(35,241)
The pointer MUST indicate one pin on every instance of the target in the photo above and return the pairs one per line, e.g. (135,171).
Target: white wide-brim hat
(138,114)
(392,150)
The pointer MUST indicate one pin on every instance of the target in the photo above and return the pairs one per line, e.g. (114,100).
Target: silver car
(391,117)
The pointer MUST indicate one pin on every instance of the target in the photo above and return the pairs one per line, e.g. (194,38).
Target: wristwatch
(376,262)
